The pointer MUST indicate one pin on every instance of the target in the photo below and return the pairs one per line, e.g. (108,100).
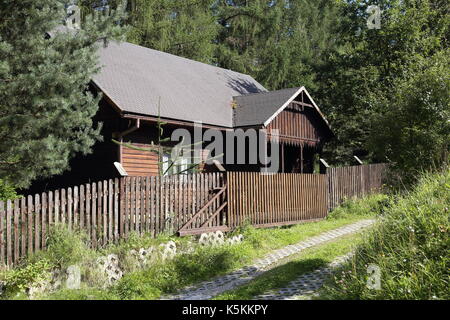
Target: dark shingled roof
(256,109)
(134,78)
(260,109)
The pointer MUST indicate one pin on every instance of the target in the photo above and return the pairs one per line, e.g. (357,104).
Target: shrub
(370,205)
(409,245)
(168,276)
(20,279)
(64,247)
(7,191)
(82,294)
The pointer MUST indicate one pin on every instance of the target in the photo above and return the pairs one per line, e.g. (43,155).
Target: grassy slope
(410,246)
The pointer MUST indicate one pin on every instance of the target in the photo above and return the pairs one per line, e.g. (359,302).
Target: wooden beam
(203,230)
(214,214)
(358,160)
(302,104)
(300,139)
(174,122)
(222,190)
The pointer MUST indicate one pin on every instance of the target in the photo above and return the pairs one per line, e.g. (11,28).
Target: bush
(18,280)
(370,205)
(7,191)
(82,294)
(413,130)
(409,245)
(64,247)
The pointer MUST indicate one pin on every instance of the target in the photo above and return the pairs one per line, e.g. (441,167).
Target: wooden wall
(139,163)
(298,127)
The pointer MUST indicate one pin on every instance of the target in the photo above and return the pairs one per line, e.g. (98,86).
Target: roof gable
(261,108)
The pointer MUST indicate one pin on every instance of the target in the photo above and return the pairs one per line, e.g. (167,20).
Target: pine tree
(185,28)
(45,108)
(280,43)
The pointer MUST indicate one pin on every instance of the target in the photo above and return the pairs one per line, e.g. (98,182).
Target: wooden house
(140,85)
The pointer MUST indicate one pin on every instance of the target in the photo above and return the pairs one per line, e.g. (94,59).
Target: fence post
(329,187)
(324,168)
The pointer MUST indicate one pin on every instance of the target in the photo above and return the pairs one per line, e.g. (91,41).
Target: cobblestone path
(306,285)
(209,289)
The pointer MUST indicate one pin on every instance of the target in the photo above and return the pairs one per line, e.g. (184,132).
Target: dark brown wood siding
(140,163)
(298,127)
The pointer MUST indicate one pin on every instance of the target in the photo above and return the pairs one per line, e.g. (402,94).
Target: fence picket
(116,209)
(30,223)
(44,207)
(2,233)
(16,230)
(37,214)
(110,213)
(23,226)
(104,214)
(94,215)
(9,243)
(69,208)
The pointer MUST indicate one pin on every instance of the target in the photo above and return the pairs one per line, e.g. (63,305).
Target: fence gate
(212,203)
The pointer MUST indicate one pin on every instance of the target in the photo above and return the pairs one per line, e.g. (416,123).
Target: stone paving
(306,285)
(209,289)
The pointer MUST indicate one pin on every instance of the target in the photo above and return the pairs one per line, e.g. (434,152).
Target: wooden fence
(188,204)
(157,205)
(274,200)
(353,181)
(106,211)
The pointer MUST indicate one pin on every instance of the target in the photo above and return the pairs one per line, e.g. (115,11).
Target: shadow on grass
(204,266)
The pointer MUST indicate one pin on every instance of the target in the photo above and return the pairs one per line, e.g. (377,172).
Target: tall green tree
(185,28)
(371,62)
(413,129)
(281,43)
(46,109)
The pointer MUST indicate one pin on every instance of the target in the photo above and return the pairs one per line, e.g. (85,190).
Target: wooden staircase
(206,219)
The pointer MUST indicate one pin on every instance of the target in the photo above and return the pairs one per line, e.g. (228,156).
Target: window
(180,167)
(165,164)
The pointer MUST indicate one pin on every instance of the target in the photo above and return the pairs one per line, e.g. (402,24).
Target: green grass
(410,246)
(204,263)
(307,261)
(165,277)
